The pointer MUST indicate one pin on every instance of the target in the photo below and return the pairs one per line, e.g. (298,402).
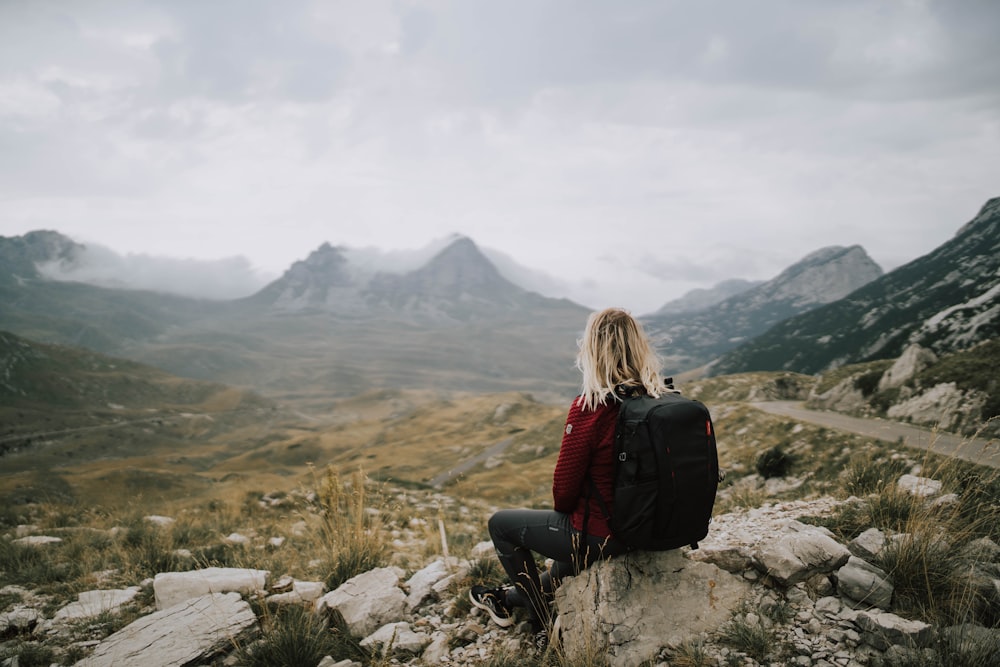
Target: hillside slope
(689,340)
(947,300)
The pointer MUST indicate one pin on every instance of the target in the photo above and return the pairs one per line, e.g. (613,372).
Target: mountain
(322,280)
(701,299)
(947,300)
(19,255)
(324,329)
(687,340)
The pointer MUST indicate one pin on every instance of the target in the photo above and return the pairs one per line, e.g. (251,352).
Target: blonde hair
(615,351)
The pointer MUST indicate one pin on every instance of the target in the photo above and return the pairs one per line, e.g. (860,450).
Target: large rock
(913,360)
(421,584)
(882,630)
(184,634)
(367,601)
(799,554)
(629,607)
(172,588)
(864,583)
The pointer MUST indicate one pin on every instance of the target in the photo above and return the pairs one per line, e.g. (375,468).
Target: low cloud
(228,278)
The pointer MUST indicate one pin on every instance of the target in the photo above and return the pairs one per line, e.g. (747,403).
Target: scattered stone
(421,584)
(868,544)
(162,521)
(94,603)
(883,629)
(19,620)
(174,587)
(482,550)
(396,636)
(367,601)
(299,592)
(922,487)
(276,542)
(236,538)
(864,583)
(186,633)
(24,530)
(801,553)
(38,540)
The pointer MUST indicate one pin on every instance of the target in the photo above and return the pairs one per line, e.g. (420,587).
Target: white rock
(421,583)
(276,542)
(38,540)
(483,550)
(162,521)
(627,608)
(862,582)
(799,554)
(913,360)
(868,544)
(367,601)
(94,603)
(393,636)
(236,538)
(181,635)
(26,529)
(174,587)
(922,487)
(882,630)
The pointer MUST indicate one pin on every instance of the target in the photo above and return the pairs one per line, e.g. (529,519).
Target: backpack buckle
(623,457)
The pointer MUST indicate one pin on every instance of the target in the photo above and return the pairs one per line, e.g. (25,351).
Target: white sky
(633,150)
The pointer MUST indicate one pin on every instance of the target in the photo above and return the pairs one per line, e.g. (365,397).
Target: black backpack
(666,473)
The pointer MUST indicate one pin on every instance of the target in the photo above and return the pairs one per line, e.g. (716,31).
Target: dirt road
(985,451)
(469,464)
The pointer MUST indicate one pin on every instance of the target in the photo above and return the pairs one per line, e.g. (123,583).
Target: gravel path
(984,451)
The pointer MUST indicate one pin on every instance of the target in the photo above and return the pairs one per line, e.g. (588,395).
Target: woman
(616,359)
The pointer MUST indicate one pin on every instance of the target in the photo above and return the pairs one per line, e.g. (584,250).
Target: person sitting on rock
(616,359)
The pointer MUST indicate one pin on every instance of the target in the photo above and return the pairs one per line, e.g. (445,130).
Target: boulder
(913,360)
(174,587)
(421,584)
(298,592)
(799,554)
(882,629)
(186,633)
(629,607)
(868,544)
(367,601)
(864,583)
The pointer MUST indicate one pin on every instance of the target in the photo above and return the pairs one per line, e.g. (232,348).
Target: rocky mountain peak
(19,255)
(311,281)
(460,265)
(823,276)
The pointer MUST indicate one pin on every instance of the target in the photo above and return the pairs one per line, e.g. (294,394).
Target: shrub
(746,633)
(866,474)
(352,536)
(294,635)
(773,463)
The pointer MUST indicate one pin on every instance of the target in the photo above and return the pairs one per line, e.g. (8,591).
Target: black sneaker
(540,640)
(491,601)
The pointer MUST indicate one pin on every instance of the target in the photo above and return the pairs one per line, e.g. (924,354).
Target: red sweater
(587,451)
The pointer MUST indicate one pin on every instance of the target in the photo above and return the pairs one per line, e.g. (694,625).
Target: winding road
(984,451)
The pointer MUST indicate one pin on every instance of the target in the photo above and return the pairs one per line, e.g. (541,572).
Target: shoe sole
(499,620)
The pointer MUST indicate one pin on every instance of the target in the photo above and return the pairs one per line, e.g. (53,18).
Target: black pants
(517,533)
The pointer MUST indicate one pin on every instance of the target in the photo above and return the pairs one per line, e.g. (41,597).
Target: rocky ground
(764,588)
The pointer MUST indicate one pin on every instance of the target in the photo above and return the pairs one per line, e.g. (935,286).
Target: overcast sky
(633,150)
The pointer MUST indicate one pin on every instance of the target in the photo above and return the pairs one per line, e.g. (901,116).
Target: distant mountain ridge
(700,299)
(689,340)
(947,300)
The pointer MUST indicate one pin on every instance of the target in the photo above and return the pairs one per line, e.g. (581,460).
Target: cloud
(229,278)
